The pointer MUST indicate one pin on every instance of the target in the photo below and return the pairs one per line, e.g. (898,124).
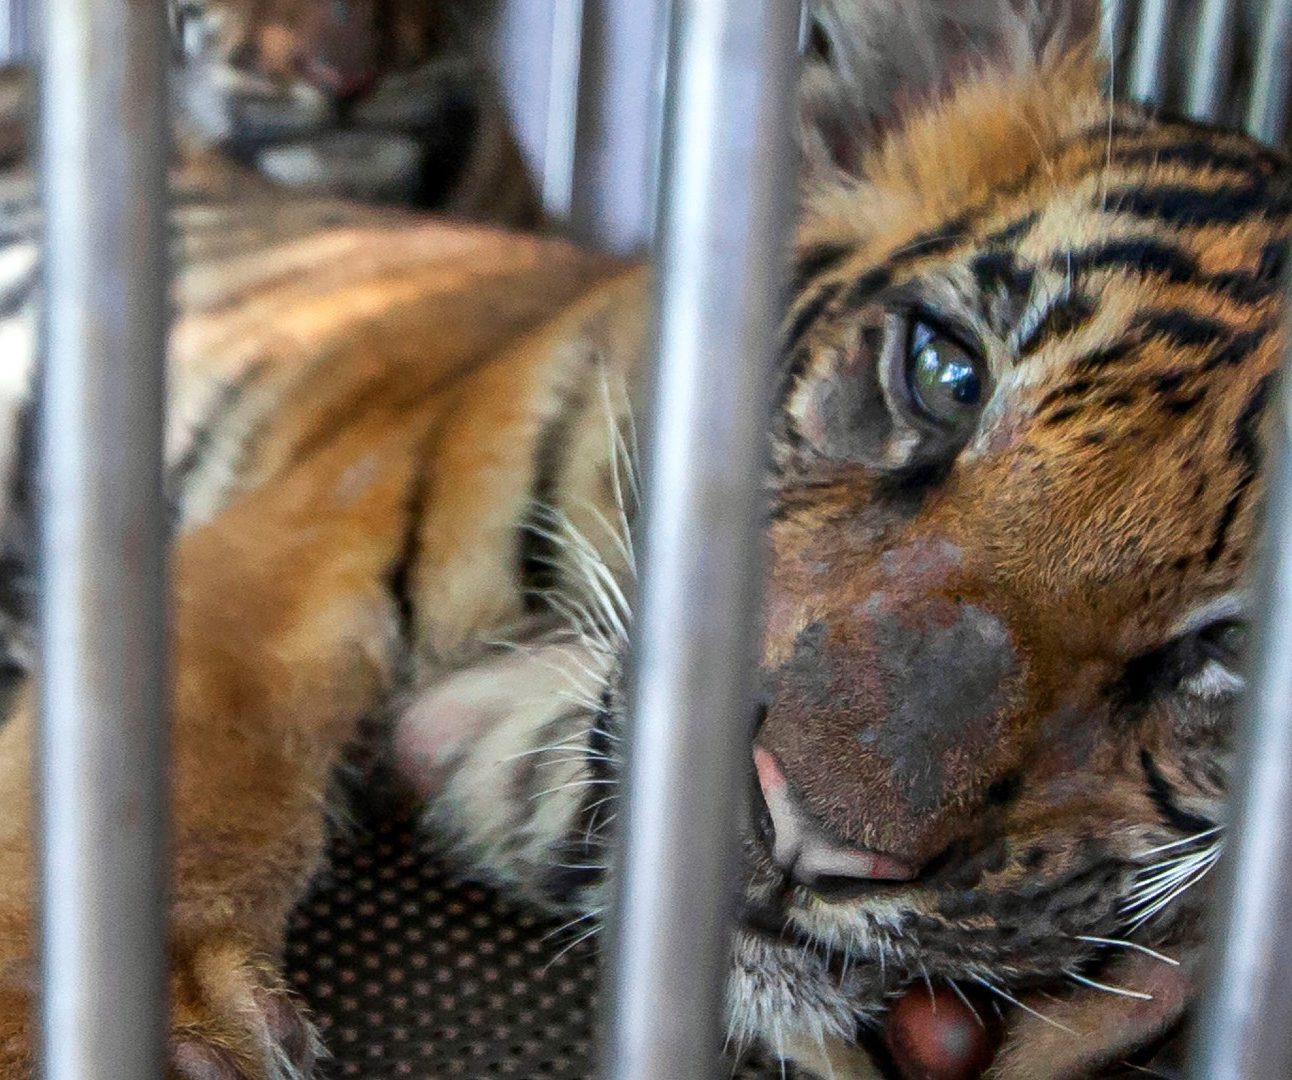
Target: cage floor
(413,973)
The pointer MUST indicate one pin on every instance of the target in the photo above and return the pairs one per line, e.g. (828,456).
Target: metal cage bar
(1267,111)
(1209,68)
(722,253)
(614,169)
(1151,51)
(102,690)
(1243,1032)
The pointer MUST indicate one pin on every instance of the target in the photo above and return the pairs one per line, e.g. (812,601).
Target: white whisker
(1181,842)
(590,782)
(961,995)
(576,942)
(1135,945)
(1120,991)
(1027,1009)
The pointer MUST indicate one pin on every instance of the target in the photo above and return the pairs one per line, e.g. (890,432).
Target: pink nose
(806,851)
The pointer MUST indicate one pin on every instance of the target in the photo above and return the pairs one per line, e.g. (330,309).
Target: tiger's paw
(233,1020)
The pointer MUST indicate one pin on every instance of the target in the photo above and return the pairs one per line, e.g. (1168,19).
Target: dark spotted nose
(806,851)
(342,49)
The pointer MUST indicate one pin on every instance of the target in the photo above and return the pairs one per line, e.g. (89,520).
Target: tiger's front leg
(285,635)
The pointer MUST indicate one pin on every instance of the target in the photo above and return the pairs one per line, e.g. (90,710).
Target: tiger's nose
(342,49)
(339,81)
(806,852)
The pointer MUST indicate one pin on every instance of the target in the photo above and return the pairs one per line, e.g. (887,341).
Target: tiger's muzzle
(889,723)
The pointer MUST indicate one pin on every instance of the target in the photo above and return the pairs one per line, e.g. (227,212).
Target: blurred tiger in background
(1026,388)
(379,100)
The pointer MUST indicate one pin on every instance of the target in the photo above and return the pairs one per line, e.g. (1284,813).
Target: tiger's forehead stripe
(1231,185)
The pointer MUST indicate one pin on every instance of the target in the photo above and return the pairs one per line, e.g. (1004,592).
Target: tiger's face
(377,99)
(1018,469)
(1018,457)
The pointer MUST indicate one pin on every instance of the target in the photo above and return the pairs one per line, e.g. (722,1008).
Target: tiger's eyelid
(943,324)
(1230,606)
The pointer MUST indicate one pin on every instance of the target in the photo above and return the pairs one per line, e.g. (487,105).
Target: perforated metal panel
(411,972)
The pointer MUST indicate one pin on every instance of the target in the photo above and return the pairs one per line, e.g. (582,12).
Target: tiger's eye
(946,379)
(1226,641)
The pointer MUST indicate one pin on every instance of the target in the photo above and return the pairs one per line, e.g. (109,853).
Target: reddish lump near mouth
(935,1035)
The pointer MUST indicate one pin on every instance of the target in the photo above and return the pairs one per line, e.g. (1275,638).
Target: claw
(289,1031)
(201,1061)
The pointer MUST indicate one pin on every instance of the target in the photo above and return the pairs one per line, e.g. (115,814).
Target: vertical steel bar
(1243,1031)
(612,204)
(1112,30)
(1209,68)
(562,109)
(1151,52)
(102,688)
(723,238)
(1267,112)
(15,30)
(522,46)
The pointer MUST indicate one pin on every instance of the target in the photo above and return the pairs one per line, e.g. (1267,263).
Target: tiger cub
(379,100)
(1026,387)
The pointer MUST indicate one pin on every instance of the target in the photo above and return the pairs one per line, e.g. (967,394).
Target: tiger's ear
(868,63)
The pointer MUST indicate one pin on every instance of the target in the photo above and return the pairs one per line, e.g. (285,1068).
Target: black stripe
(1148,255)
(1245,450)
(1236,349)
(1167,382)
(1068,313)
(1107,355)
(538,556)
(1141,254)
(1008,235)
(1000,269)
(815,260)
(871,282)
(1183,404)
(795,355)
(1075,388)
(1227,516)
(227,398)
(1244,442)
(1188,206)
(1274,257)
(1162,792)
(1244,287)
(1182,327)
(940,240)
(399,577)
(808,314)
(1199,154)
(1065,412)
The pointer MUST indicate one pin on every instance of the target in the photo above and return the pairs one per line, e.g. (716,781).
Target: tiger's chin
(793,1000)
(377,166)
